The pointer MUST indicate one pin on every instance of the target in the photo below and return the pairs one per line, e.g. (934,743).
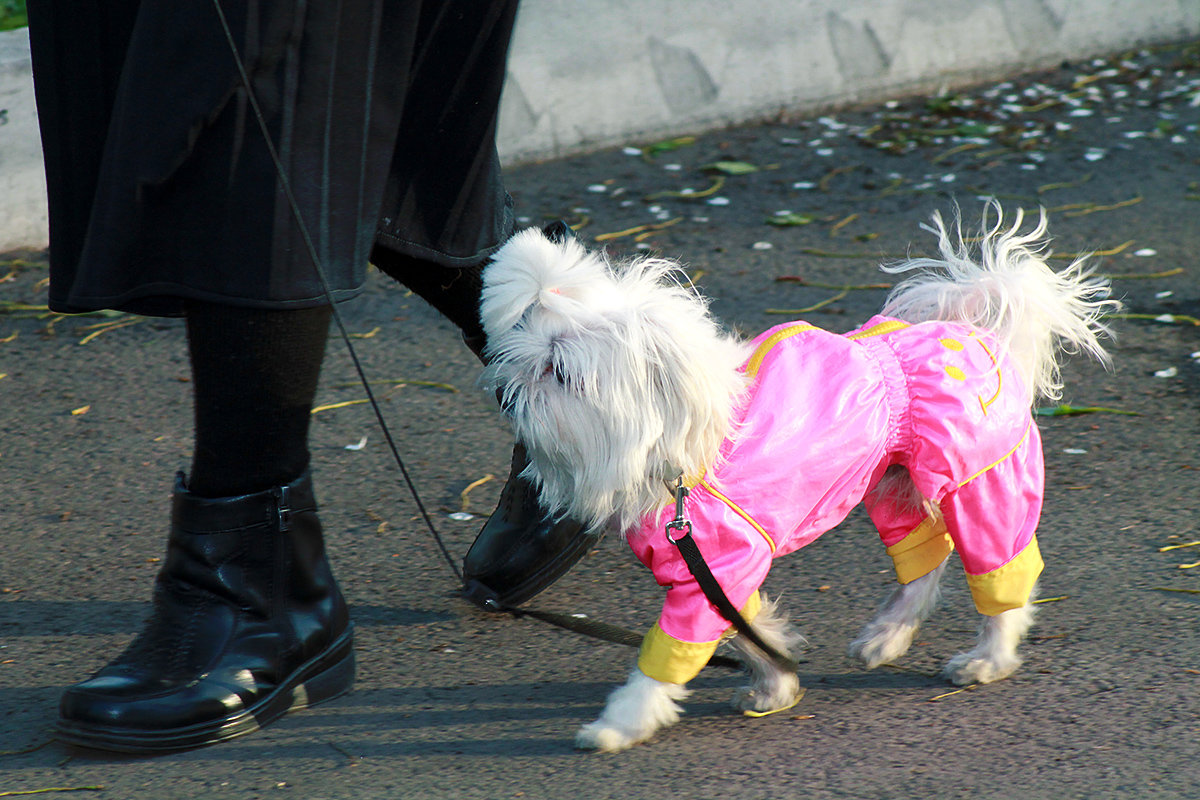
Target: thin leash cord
(294,206)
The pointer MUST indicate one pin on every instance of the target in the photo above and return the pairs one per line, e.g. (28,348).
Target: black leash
(711,586)
(593,628)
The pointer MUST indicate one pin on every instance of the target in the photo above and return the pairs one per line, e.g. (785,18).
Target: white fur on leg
(889,635)
(634,712)
(995,656)
(771,688)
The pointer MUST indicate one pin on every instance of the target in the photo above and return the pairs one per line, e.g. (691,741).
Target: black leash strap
(679,533)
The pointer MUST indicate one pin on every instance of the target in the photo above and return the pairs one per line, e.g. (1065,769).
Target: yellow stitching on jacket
(737,510)
(999,375)
(1003,458)
(765,347)
(891,326)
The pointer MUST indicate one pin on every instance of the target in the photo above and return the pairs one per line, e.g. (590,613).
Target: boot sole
(324,677)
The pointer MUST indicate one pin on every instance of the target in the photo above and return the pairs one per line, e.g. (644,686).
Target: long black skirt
(161,185)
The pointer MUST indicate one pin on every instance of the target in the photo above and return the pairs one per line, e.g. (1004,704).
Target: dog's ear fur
(530,270)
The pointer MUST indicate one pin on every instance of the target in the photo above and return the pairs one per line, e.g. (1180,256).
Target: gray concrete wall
(586,73)
(589,73)
(22,182)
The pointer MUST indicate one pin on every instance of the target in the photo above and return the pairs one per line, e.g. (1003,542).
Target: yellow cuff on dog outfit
(919,553)
(671,660)
(1009,586)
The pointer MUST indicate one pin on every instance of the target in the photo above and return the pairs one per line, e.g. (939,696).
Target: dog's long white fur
(633,713)
(1034,313)
(643,705)
(614,380)
(618,379)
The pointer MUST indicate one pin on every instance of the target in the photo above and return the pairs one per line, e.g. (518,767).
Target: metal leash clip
(680,523)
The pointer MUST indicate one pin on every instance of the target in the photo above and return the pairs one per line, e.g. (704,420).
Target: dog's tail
(1035,314)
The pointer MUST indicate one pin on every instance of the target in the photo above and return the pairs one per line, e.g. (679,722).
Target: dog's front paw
(633,714)
(970,667)
(604,738)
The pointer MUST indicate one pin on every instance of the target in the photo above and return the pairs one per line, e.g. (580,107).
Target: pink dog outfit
(824,416)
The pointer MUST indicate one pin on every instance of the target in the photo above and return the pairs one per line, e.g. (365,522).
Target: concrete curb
(627,70)
(23,217)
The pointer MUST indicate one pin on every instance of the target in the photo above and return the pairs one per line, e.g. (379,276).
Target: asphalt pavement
(788,218)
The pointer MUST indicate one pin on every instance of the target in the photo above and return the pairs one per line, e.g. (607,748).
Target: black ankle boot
(521,549)
(248,624)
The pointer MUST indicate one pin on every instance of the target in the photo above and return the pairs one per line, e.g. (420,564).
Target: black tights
(255,374)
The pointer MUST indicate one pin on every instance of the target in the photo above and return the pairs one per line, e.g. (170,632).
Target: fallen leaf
(332,406)
(666,146)
(465,493)
(731,167)
(790,220)
(1067,411)
(689,194)
(1177,546)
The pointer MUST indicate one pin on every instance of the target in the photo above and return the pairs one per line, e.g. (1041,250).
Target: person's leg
(254,372)
(248,621)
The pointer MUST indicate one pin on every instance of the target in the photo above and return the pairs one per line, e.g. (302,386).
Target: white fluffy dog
(620,383)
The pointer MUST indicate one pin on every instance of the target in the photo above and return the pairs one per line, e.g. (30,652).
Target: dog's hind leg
(889,635)
(993,519)
(917,540)
(771,687)
(994,657)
